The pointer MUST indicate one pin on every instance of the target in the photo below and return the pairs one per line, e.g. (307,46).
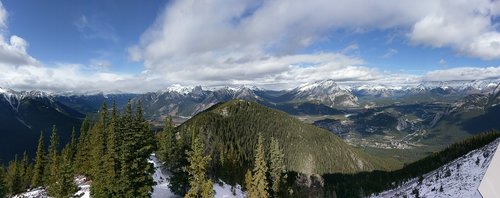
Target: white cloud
(218,40)
(13,52)
(463,25)
(256,41)
(464,73)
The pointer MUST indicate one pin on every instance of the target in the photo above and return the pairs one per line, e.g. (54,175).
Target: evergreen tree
(13,177)
(259,183)
(276,166)
(200,185)
(97,155)
(53,157)
(112,156)
(38,169)
(179,180)
(64,187)
(166,150)
(25,171)
(82,157)
(248,181)
(137,145)
(73,145)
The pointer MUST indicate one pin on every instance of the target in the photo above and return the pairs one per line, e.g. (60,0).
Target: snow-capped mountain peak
(323,84)
(177,88)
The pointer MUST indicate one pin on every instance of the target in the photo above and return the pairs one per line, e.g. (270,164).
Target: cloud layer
(258,41)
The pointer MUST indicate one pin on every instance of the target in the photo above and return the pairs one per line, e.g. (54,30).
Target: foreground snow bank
(459,178)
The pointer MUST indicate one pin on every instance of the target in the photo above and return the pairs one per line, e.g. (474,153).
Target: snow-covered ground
(459,178)
(161,190)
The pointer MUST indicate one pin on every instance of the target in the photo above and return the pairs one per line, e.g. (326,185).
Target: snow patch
(459,178)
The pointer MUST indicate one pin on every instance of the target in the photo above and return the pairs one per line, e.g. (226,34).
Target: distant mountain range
(187,101)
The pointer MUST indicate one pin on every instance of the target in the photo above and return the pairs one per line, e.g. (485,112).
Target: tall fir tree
(200,185)
(40,159)
(13,177)
(64,187)
(112,156)
(73,145)
(52,158)
(97,155)
(259,183)
(138,143)
(276,166)
(166,150)
(82,157)
(25,171)
(126,154)
(248,181)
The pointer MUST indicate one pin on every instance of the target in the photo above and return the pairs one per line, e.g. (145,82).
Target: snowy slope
(459,178)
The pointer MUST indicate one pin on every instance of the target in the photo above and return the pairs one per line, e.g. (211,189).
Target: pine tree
(53,158)
(112,156)
(97,155)
(82,157)
(137,145)
(25,171)
(248,181)
(200,185)
(259,183)
(276,166)
(147,145)
(64,187)
(73,145)
(167,143)
(126,154)
(38,169)
(13,177)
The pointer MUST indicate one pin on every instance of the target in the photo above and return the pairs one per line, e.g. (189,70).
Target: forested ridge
(230,130)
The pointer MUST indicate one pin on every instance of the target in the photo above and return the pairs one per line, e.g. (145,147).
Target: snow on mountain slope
(326,92)
(459,178)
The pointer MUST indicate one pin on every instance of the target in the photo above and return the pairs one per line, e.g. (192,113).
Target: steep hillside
(459,178)
(421,173)
(230,132)
(24,114)
(90,104)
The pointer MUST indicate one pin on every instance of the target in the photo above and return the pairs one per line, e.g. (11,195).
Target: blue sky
(139,46)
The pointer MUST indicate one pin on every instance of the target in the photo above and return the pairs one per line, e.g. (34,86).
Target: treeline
(112,152)
(367,183)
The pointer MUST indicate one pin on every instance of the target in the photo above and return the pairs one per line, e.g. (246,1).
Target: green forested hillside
(229,131)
